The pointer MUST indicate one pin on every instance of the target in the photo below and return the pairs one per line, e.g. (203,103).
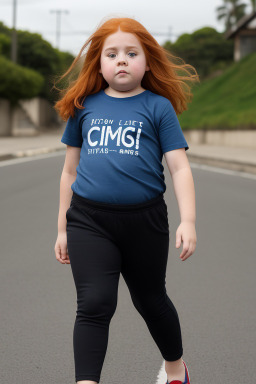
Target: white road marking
(4,163)
(162,376)
(223,170)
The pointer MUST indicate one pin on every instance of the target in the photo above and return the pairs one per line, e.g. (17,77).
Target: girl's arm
(67,179)
(184,189)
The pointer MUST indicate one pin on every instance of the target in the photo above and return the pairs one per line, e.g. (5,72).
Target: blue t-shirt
(122,144)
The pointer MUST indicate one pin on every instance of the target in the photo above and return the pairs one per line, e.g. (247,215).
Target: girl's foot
(186,377)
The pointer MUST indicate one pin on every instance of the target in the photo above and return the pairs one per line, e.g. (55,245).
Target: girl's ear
(147,68)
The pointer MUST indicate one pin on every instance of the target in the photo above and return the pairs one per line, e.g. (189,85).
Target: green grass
(225,102)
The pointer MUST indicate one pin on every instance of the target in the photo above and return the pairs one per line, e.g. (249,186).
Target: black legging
(103,240)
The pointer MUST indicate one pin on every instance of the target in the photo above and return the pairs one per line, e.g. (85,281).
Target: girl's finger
(185,249)
(60,260)
(57,253)
(188,252)
(59,256)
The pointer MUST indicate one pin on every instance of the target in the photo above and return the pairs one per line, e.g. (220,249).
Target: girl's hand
(61,250)
(186,232)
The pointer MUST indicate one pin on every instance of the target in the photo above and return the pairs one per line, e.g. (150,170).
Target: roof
(240,24)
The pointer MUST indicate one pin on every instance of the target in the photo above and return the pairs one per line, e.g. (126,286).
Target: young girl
(121,111)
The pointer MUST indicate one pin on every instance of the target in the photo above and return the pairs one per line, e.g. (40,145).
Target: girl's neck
(112,92)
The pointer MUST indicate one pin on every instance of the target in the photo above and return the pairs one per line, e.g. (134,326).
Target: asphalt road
(213,290)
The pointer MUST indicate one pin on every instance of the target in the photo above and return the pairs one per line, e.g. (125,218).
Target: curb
(223,163)
(30,153)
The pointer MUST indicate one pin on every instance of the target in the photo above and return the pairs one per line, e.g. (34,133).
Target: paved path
(213,291)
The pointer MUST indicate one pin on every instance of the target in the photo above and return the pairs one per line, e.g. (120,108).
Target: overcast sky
(158,16)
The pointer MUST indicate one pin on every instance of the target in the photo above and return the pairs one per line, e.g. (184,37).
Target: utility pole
(169,32)
(14,33)
(58,24)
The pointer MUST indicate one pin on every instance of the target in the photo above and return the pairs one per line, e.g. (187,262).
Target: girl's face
(123,51)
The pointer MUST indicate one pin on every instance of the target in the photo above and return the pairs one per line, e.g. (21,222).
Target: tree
(37,54)
(205,49)
(253,5)
(17,82)
(231,11)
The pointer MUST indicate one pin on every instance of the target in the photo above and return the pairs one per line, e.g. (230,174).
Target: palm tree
(253,5)
(231,11)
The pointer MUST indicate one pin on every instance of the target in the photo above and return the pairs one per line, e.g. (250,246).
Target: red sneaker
(187,379)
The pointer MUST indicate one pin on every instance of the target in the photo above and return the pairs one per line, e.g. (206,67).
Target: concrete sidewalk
(240,159)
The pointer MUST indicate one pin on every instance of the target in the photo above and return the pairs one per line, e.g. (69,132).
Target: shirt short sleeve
(170,132)
(73,132)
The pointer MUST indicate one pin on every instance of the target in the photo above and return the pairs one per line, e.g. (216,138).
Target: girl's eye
(111,54)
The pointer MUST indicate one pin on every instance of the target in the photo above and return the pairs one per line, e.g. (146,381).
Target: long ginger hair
(164,77)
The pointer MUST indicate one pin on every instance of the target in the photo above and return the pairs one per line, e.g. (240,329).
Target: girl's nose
(122,60)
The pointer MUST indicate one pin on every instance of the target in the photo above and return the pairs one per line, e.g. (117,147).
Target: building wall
(247,44)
